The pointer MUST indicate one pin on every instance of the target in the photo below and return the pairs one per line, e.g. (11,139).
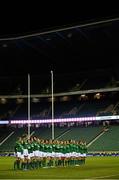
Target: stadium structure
(82,104)
(81,112)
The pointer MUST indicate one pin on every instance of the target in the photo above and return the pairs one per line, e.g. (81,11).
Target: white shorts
(18,154)
(29,156)
(25,152)
(53,154)
(22,156)
(36,153)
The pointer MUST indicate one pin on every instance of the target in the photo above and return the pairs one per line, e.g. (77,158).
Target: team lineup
(37,153)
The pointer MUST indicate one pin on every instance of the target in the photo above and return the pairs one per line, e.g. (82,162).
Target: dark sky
(22,20)
(19,18)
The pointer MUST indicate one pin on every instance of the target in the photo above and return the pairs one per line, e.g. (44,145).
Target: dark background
(70,51)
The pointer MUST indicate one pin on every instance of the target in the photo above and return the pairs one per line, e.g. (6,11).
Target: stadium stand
(108,141)
(67,109)
(80,105)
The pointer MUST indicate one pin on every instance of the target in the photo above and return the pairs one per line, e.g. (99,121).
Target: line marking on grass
(7,138)
(104,176)
(32,133)
(97,137)
(63,134)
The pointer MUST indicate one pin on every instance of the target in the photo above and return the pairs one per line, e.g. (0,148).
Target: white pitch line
(95,139)
(104,176)
(32,133)
(63,134)
(7,138)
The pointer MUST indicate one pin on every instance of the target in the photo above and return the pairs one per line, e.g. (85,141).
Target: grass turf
(95,168)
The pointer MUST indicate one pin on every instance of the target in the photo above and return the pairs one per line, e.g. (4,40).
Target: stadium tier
(96,137)
(62,109)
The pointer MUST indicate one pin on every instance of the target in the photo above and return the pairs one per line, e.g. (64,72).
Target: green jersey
(49,148)
(19,147)
(64,149)
(57,148)
(25,145)
(61,149)
(29,148)
(53,147)
(36,146)
(68,148)
(46,147)
(42,147)
(84,148)
(71,147)
(32,147)
(79,148)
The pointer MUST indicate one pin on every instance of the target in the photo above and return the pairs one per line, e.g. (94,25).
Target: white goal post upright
(52,105)
(29,111)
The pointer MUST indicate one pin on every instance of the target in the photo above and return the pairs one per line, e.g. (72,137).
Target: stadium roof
(76,44)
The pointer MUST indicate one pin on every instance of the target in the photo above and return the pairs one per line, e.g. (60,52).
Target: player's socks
(59,162)
(44,162)
(79,162)
(53,162)
(47,162)
(18,164)
(31,165)
(84,160)
(37,164)
(22,165)
(15,165)
(40,163)
(70,162)
(56,162)
(75,162)
(28,165)
(65,163)
(25,166)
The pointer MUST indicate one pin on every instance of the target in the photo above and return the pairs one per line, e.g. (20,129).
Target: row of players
(34,152)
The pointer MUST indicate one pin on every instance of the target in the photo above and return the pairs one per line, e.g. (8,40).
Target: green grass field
(95,168)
